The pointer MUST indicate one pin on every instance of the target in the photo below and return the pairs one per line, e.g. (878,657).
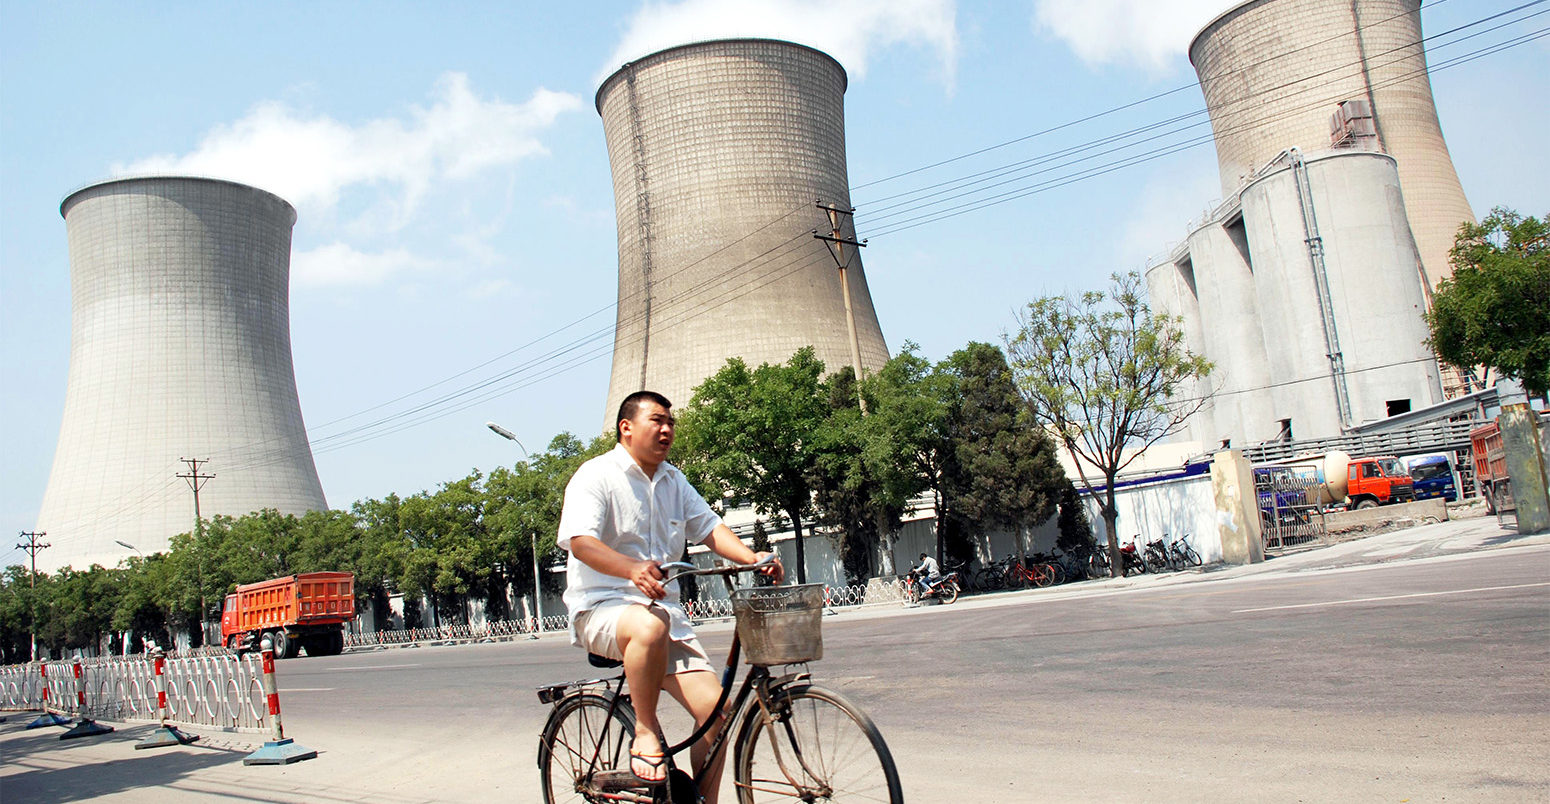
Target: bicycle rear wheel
(580,726)
(817,747)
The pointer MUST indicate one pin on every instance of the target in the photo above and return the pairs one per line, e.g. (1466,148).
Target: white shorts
(598,627)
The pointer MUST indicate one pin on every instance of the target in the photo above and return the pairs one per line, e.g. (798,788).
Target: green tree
(859,503)
(1008,477)
(1495,309)
(1104,373)
(750,434)
(452,554)
(909,432)
(384,548)
(524,502)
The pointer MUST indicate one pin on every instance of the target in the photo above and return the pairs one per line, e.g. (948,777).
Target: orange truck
(1490,459)
(297,611)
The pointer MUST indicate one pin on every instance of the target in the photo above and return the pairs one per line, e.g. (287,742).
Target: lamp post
(538,606)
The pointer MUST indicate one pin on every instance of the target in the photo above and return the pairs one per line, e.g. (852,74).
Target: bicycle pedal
(617,780)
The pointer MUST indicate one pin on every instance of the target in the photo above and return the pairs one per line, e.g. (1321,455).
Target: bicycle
(1180,552)
(795,740)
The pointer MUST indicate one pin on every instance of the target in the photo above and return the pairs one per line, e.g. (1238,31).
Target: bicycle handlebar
(674,570)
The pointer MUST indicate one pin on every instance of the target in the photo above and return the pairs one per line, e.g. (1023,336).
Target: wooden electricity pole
(32,546)
(195,482)
(836,242)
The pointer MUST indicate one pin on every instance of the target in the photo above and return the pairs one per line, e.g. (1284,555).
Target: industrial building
(1306,285)
(180,349)
(720,152)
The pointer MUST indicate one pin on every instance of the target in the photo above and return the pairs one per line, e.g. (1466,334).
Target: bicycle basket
(780,624)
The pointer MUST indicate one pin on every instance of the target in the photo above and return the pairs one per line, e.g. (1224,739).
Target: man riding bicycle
(626,513)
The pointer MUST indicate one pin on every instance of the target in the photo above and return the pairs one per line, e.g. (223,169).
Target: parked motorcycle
(944,588)
(1134,563)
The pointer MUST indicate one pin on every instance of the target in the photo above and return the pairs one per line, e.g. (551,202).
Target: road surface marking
(1391,597)
(375,667)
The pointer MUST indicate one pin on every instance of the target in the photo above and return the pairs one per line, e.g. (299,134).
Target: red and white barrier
(48,718)
(280,750)
(166,734)
(86,727)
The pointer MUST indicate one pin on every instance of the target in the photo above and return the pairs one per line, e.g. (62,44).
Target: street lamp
(538,606)
(129,546)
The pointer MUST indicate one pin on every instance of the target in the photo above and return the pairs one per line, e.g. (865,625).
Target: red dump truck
(297,611)
(1490,459)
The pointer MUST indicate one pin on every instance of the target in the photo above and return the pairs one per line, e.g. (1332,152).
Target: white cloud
(310,160)
(1142,33)
(339,264)
(849,30)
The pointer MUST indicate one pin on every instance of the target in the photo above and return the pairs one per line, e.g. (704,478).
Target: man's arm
(646,575)
(723,542)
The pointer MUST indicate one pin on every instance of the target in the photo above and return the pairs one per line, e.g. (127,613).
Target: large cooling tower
(1274,72)
(719,152)
(180,348)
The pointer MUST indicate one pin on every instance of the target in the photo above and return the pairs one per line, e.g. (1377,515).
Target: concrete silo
(180,348)
(1230,321)
(1274,72)
(1170,290)
(1368,310)
(719,152)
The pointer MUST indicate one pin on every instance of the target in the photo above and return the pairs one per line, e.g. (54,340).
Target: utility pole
(32,546)
(836,242)
(195,482)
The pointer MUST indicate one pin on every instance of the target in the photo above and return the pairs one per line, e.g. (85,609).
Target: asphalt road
(1331,679)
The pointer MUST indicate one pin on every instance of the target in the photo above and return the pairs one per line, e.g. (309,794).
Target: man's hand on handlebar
(647,577)
(775,571)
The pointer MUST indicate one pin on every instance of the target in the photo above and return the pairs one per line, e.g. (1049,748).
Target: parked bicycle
(1181,554)
(1156,556)
(791,740)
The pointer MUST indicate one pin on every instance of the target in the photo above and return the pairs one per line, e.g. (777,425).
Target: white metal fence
(705,608)
(215,690)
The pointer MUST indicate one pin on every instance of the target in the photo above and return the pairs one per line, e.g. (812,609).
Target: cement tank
(1331,467)
(1170,290)
(1230,323)
(1350,204)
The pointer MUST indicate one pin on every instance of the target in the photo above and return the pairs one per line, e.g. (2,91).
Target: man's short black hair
(631,405)
(922,556)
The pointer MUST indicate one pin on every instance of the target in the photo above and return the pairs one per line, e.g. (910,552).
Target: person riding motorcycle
(927,573)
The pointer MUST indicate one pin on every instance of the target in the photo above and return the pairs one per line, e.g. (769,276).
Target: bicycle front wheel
(580,729)
(815,746)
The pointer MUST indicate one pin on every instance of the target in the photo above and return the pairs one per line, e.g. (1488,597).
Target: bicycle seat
(604,662)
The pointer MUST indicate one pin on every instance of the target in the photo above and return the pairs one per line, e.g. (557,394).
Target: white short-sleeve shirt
(651,519)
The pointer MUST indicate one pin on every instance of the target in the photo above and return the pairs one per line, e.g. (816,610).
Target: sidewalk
(36,766)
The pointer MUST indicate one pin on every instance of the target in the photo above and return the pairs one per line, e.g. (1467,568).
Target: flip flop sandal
(653,759)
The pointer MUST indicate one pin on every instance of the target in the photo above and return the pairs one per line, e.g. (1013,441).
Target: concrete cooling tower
(1275,72)
(180,348)
(719,152)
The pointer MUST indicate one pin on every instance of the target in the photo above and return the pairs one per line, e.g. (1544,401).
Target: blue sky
(455,205)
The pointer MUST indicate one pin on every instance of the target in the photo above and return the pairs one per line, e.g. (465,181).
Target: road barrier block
(86,727)
(166,734)
(280,750)
(48,718)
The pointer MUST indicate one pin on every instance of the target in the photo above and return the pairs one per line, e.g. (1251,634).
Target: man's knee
(643,623)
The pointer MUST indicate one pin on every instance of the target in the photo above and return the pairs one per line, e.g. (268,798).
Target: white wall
(1173,507)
